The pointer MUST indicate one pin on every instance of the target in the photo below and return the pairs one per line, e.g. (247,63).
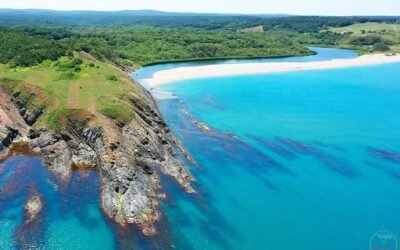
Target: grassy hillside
(370,27)
(78,85)
(371,36)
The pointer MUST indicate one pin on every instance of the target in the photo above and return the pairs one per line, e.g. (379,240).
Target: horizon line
(198,13)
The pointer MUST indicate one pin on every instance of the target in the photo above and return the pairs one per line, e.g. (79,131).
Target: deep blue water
(300,160)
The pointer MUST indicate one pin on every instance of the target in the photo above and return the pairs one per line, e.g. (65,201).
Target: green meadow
(79,83)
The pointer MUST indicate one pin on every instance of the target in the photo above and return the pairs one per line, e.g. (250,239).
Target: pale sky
(302,7)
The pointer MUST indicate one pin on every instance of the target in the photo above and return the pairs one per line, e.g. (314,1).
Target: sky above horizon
(301,7)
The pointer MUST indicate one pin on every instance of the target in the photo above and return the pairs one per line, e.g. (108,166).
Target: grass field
(362,36)
(358,28)
(91,86)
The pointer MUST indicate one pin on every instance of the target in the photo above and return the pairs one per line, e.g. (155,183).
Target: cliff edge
(129,154)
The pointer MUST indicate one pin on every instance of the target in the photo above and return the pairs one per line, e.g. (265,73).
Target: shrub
(66,75)
(380,47)
(116,109)
(112,78)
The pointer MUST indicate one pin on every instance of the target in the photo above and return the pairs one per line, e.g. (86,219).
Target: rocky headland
(129,157)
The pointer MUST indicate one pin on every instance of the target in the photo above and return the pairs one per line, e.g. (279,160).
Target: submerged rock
(29,234)
(33,207)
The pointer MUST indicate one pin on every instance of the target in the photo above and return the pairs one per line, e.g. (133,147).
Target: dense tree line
(17,49)
(144,45)
(369,40)
(129,38)
(140,45)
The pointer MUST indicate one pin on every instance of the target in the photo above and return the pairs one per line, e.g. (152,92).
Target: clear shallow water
(71,218)
(311,159)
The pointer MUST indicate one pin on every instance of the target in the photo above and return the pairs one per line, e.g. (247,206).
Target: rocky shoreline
(128,157)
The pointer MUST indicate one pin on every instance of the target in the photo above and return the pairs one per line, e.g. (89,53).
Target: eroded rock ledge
(129,157)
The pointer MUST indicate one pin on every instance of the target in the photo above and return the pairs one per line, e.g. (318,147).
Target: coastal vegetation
(141,45)
(371,36)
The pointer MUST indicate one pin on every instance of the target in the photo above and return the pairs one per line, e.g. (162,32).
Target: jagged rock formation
(11,123)
(129,157)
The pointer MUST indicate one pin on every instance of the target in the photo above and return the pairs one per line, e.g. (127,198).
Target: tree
(380,47)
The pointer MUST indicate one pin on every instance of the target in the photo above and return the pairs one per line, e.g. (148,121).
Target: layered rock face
(129,157)
(12,125)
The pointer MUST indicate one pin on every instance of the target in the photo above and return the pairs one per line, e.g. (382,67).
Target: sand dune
(185,73)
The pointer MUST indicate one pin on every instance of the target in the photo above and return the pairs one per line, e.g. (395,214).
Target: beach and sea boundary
(219,70)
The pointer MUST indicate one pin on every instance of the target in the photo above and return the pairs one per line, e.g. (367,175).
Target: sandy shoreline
(185,73)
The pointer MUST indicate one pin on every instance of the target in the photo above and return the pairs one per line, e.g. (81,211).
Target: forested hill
(137,38)
(26,46)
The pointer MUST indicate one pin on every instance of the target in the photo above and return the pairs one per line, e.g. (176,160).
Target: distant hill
(126,12)
(154,18)
(124,18)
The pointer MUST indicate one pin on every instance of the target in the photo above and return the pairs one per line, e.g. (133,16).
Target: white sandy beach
(185,73)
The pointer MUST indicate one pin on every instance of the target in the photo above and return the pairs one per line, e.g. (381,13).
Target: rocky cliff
(128,156)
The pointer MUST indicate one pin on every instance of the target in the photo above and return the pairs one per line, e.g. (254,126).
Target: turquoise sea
(300,160)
